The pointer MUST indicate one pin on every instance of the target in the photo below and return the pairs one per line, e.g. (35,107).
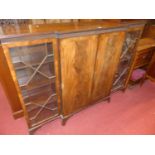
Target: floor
(132,112)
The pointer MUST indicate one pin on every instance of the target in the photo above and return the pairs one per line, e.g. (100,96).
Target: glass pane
(48,69)
(125,60)
(23,75)
(34,67)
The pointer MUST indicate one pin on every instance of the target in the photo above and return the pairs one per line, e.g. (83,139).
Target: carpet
(132,112)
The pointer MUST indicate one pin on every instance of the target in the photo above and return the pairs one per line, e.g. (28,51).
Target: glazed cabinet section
(33,68)
(125,60)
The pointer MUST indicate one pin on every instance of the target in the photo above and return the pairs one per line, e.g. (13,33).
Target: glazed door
(34,68)
(78,56)
(127,55)
(109,50)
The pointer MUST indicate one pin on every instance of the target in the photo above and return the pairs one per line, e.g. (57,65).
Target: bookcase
(51,71)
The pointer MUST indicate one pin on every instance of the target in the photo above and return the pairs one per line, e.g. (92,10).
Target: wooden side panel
(109,50)
(151,68)
(9,86)
(77,66)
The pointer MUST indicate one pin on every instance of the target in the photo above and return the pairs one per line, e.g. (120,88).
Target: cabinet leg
(142,80)
(64,120)
(123,90)
(32,132)
(109,99)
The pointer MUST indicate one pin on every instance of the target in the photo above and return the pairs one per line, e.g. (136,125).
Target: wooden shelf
(38,95)
(51,104)
(145,43)
(37,115)
(38,110)
(21,65)
(38,84)
(44,116)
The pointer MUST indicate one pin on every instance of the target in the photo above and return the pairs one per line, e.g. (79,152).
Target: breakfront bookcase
(55,70)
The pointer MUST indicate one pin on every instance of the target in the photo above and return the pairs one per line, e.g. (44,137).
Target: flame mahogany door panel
(109,50)
(78,56)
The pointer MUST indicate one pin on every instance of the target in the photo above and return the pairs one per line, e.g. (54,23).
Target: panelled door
(108,54)
(34,69)
(78,55)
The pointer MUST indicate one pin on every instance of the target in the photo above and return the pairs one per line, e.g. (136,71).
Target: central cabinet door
(78,57)
(109,50)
